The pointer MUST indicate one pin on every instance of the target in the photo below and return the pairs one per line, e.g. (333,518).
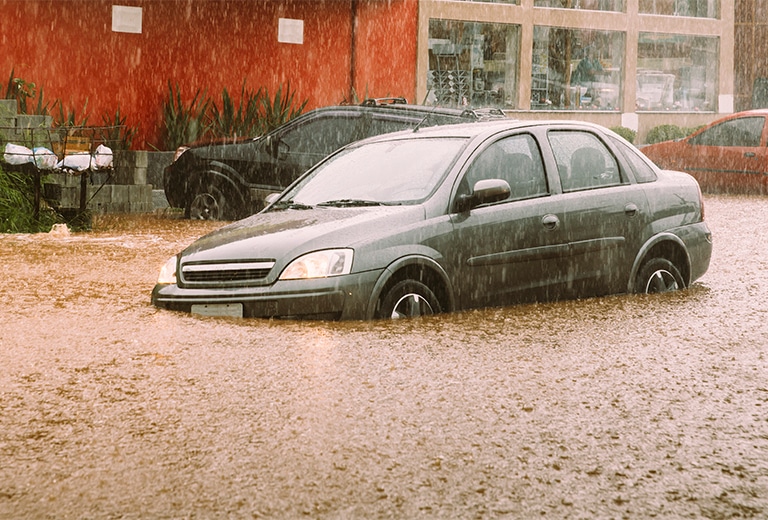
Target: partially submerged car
(730,155)
(449,218)
(227,181)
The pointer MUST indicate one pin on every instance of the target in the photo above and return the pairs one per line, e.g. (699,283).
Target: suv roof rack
(375,102)
(483,113)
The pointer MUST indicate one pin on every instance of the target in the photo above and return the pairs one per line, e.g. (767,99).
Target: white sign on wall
(290,31)
(126,19)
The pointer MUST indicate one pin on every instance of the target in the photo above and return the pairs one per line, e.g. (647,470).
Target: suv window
(378,126)
(324,134)
(583,161)
(515,159)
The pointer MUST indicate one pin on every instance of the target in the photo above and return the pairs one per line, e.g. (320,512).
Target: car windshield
(390,172)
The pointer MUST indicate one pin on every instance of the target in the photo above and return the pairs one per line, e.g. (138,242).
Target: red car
(729,155)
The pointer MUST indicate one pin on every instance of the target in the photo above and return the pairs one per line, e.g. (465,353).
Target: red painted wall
(69,48)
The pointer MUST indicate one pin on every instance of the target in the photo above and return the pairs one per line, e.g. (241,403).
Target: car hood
(287,233)
(228,149)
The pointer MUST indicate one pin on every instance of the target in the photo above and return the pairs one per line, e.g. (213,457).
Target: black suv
(230,181)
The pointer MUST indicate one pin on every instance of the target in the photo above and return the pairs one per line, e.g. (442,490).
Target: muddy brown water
(617,407)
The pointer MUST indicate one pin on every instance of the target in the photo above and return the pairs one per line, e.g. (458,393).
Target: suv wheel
(212,201)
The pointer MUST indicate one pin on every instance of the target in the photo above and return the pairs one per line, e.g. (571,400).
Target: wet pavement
(619,407)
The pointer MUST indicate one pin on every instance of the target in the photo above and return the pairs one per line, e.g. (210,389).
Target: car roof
(385,105)
(477,129)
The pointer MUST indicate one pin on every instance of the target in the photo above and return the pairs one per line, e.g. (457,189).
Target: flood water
(618,407)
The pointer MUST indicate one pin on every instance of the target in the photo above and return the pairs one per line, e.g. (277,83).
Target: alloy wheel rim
(661,281)
(411,305)
(205,207)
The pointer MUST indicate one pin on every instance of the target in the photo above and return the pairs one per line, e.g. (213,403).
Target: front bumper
(338,298)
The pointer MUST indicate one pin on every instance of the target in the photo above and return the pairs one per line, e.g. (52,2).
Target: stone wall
(134,185)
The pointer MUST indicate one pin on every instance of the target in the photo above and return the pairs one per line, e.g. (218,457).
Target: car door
(730,156)
(605,217)
(512,250)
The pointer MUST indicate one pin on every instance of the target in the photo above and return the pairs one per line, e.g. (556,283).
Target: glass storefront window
(676,72)
(693,8)
(594,5)
(472,64)
(515,2)
(576,69)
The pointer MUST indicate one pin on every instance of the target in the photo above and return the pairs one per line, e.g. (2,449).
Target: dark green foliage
(661,133)
(237,121)
(626,133)
(279,109)
(67,116)
(256,114)
(184,122)
(17,212)
(23,91)
(116,133)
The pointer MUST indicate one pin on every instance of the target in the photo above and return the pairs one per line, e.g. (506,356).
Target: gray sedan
(450,218)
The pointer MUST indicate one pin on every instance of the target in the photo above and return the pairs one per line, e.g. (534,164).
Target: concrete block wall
(124,189)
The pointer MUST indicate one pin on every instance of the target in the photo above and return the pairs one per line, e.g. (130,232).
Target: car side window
(515,159)
(378,126)
(323,135)
(743,131)
(642,170)
(584,162)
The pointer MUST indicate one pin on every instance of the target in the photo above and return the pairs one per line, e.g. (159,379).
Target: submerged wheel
(407,299)
(213,202)
(657,276)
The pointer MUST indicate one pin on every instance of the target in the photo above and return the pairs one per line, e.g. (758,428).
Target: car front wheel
(212,202)
(657,276)
(407,299)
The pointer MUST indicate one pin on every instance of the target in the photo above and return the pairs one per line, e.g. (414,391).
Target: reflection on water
(622,406)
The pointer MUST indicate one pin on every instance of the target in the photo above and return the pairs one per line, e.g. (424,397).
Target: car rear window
(640,168)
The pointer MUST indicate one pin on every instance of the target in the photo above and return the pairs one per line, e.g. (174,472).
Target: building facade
(632,63)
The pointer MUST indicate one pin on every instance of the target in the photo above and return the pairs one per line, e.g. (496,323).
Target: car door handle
(749,154)
(550,222)
(631,209)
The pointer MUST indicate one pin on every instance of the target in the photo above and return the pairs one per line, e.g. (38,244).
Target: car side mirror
(486,191)
(272,145)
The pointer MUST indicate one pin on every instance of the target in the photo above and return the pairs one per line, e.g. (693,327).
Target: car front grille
(224,273)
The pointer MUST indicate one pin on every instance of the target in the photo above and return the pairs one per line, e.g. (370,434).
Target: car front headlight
(319,264)
(168,272)
(179,152)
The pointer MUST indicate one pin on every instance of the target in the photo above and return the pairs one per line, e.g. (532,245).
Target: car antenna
(424,119)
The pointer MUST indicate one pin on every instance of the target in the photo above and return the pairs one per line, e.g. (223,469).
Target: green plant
(184,123)
(17,212)
(241,120)
(279,109)
(66,117)
(116,133)
(661,133)
(23,91)
(626,133)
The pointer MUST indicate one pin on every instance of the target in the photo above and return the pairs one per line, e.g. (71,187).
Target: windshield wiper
(289,204)
(348,203)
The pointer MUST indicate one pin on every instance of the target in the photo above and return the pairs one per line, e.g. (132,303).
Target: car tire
(408,298)
(213,201)
(658,275)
